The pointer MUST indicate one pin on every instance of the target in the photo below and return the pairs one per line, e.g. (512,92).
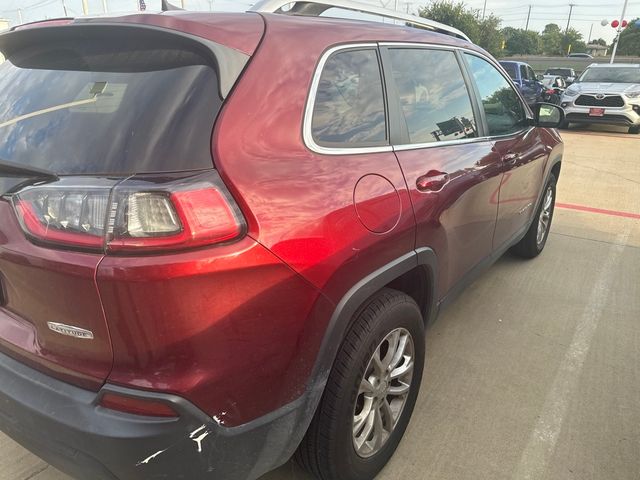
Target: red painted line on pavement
(614,213)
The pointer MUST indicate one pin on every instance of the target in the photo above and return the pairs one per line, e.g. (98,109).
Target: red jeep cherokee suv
(222,235)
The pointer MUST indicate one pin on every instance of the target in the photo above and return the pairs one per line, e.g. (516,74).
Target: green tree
(630,40)
(572,40)
(600,41)
(522,42)
(490,38)
(552,40)
(485,33)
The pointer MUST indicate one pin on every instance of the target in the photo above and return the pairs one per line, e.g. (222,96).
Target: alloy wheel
(544,219)
(383,392)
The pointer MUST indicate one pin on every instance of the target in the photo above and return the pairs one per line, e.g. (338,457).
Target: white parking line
(542,442)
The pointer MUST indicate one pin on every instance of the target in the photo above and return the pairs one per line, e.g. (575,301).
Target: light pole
(620,28)
(571,5)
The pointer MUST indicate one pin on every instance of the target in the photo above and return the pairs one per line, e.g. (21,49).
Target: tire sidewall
(348,462)
(551,184)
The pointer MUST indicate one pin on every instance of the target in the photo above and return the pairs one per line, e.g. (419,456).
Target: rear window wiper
(10,169)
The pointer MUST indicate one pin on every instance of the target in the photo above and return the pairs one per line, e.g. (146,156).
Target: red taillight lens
(68,217)
(55,233)
(137,406)
(192,218)
(135,216)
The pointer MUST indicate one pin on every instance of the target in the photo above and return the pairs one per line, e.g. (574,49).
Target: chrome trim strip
(308,116)
(446,143)
(311,100)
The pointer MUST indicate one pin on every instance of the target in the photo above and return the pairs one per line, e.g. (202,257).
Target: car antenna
(166,6)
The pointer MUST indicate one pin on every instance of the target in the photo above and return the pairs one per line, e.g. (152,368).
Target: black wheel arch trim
(357,296)
(344,315)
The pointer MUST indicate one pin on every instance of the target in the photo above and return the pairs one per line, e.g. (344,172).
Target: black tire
(555,99)
(328,451)
(634,130)
(529,246)
(564,125)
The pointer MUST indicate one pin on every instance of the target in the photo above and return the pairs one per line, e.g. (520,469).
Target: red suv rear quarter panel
(222,327)
(302,202)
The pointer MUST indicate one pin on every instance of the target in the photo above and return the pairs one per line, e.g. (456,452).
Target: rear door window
(349,109)
(433,95)
(112,107)
(502,106)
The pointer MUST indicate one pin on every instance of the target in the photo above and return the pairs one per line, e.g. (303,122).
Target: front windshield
(612,75)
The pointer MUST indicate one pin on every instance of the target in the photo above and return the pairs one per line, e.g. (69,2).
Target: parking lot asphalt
(534,372)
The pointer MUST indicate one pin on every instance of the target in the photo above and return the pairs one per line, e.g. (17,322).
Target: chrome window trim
(307,132)
(308,115)
(446,143)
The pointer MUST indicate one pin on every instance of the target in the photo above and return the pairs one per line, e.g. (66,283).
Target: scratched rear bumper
(63,425)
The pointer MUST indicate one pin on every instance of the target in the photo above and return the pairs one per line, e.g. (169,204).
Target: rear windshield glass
(108,108)
(612,75)
(558,71)
(511,69)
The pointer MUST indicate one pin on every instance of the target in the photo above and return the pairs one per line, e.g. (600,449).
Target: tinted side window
(523,73)
(502,106)
(349,104)
(532,74)
(433,95)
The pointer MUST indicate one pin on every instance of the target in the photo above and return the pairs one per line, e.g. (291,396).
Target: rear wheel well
(415,283)
(556,170)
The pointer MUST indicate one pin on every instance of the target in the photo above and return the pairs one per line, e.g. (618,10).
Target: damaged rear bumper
(64,425)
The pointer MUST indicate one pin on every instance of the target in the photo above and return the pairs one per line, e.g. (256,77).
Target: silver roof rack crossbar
(315,8)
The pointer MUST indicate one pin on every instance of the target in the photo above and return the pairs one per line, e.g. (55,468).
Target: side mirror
(570,80)
(548,115)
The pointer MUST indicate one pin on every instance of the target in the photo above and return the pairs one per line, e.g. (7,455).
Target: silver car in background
(605,94)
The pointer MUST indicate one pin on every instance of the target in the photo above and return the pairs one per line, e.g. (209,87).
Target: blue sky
(585,12)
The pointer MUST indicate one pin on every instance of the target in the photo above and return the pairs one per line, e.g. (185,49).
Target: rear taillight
(135,215)
(64,217)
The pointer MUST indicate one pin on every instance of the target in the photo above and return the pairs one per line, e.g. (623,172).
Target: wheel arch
(414,273)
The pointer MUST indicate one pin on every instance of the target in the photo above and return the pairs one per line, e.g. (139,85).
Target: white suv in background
(605,93)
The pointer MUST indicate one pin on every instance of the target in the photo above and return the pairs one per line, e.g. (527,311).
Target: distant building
(596,50)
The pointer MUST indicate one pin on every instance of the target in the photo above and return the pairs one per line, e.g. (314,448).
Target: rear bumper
(63,425)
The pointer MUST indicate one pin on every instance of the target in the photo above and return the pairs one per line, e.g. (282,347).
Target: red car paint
(236,329)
